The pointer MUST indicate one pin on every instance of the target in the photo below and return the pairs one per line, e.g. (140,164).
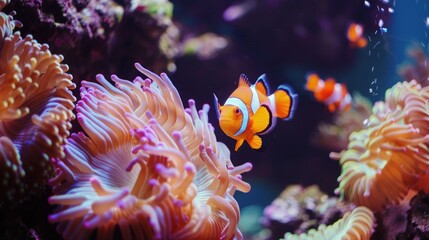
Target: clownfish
(333,94)
(355,35)
(250,111)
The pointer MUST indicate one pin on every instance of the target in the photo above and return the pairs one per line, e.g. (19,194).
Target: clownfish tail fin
(285,102)
(312,82)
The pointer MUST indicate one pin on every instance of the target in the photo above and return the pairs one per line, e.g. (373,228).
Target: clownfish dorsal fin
(238,144)
(262,85)
(243,81)
(262,119)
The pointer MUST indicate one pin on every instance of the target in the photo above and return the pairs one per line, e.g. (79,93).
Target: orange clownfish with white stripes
(355,35)
(251,111)
(333,94)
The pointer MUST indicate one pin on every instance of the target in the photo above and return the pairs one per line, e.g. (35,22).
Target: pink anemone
(147,168)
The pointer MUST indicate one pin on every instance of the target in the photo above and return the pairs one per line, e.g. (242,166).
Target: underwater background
(203,47)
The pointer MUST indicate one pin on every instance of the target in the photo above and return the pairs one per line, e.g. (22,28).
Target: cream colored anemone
(35,112)
(147,168)
(357,224)
(385,160)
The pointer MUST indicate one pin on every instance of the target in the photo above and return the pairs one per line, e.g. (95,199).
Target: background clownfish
(355,35)
(250,111)
(334,95)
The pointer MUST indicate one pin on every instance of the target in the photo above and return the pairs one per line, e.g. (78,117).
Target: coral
(205,46)
(110,35)
(67,26)
(419,69)
(299,209)
(35,112)
(385,160)
(146,167)
(357,224)
(417,226)
(392,221)
(336,136)
(3,3)
(145,35)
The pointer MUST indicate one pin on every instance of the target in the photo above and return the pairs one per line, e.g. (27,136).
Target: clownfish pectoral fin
(243,81)
(216,106)
(238,144)
(255,142)
(285,101)
(262,85)
(312,82)
(262,119)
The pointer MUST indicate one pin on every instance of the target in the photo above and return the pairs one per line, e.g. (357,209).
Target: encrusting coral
(147,168)
(35,112)
(386,159)
(419,70)
(300,209)
(357,224)
(417,219)
(110,35)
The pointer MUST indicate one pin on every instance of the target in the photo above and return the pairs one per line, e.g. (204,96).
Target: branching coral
(357,224)
(147,167)
(386,159)
(35,111)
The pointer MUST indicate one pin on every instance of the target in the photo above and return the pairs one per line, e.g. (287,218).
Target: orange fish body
(355,35)
(250,111)
(333,94)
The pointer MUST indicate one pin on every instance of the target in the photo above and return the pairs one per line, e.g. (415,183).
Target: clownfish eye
(237,111)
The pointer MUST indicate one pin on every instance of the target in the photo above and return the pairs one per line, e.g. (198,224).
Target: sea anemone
(35,112)
(357,224)
(385,160)
(146,168)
